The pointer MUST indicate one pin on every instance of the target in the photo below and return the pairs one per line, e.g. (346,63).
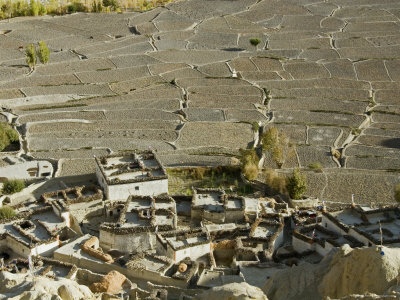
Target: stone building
(122,175)
(131,225)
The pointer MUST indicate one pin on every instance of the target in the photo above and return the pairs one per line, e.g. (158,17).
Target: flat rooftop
(131,167)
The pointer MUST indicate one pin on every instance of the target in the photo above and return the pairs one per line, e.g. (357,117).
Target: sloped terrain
(184,79)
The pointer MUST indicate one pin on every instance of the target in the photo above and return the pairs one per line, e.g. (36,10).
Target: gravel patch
(325,136)
(229,135)
(204,115)
(223,101)
(318,118)
(237,115)
(318,104)
(371,152)
(371,70)
(373,163)
(311,154)
(72,167)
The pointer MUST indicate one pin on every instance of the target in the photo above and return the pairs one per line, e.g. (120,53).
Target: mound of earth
(231,291)
(344,272)
(21,286)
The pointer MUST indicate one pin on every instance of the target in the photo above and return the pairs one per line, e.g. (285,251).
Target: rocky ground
(325,72)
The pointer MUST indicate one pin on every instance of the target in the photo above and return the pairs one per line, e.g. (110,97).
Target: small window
(136,188)
(111,213)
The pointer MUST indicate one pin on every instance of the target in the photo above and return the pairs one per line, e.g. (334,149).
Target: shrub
(30,56)
(255,126)
(296,185)
(249,162)
(13,186)
(316,166)
(6,212)
(198,173)
(113,4)
(76,6)
(336,153)
(43,53)
(275,181)
(397,193)
(250,171)
(7,135)
(255,41)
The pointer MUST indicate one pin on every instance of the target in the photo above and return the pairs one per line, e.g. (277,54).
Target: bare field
(185,81)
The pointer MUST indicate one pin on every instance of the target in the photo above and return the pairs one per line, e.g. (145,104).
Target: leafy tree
(30,56)
(6,212)
(42,9)
(397,192)
(255,41)
(43,53)
(13,186)
(296,185)
(278,144)
(34,8)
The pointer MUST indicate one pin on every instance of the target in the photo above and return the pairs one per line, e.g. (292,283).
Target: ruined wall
(45,249)
(330,225)
(145,188)
(17,247)
(193,252)
(132,274)
(136,242)
(301,246)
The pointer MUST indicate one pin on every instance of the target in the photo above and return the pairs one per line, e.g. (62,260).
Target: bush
(316,166)
(249,162)
(6,212)
(76,6)
(255,41)
(43,53)
(296,185)
(30,56)
(13,186)
(250,171)
(198,173)
(397,193)
(7,136)
(274,181)
(113,4)
(255,126)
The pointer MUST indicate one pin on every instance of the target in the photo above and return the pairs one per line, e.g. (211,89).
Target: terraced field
(184,80)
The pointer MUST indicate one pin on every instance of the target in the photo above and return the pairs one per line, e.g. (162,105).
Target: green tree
(255,41)
(278,144)
(13,186)
(43,53)
(30,56)
(296,185)
(34,8)
(397,192)
(6,212)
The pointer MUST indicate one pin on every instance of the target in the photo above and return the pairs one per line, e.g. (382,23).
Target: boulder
(344,271)
(110,283)
(233,291)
